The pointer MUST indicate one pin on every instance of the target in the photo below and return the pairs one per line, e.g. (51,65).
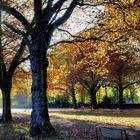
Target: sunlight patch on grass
(129,117)
(121,118)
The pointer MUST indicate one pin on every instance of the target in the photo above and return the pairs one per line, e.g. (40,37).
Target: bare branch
(66,15)
(63,90)
(17,15)
(130,84)
(19,32)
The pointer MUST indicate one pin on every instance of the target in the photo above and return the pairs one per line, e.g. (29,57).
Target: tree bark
(74,101)
(106,94)
(6,108)
(93,100)
(121,101)
(40,121)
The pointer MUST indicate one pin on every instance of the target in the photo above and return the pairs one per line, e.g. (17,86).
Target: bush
(110,100)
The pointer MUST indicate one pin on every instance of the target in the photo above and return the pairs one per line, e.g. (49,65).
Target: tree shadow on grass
(19,130)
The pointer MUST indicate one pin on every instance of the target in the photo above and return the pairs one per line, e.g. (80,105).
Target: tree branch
(17,15)
(16,60)
(130,84)
(17,31)
(63,90)
(66,15)
(38,12)
(112,86)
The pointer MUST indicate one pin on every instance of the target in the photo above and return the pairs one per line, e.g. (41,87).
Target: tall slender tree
(8,66)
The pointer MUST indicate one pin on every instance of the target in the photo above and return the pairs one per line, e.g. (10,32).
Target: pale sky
(79,21)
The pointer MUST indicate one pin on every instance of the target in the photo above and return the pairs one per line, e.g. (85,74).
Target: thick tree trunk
(74,101)
(121,101)
(93,100)
(40,121)
(6,108)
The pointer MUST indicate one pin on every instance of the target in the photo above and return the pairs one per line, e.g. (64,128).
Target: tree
(65,80)
(71,92)
(6,81)
(85,62)
(38,37)
(123,70)
(133,89)
(89,59)
(46,21)
(9,62)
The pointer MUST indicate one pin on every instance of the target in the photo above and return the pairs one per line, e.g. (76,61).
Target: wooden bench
(112,133)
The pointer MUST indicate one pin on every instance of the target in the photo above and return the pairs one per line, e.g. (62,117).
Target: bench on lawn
(108,132)
(113,133)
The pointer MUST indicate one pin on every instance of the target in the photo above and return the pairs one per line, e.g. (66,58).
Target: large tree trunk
(121,101)
(74,101)
(6,108)
(93,100)
(40,121)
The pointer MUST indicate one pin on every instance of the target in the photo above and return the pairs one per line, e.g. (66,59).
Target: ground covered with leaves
(129,117)
(71,124)
(66,130)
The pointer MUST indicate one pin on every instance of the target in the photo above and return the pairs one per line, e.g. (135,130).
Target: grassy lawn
(130,118)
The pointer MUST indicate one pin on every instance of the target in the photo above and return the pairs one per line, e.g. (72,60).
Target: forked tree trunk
(93,100)
(40,121)
(6,104)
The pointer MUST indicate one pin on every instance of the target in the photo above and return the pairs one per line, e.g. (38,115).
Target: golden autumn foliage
(118,28)
(113,38)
